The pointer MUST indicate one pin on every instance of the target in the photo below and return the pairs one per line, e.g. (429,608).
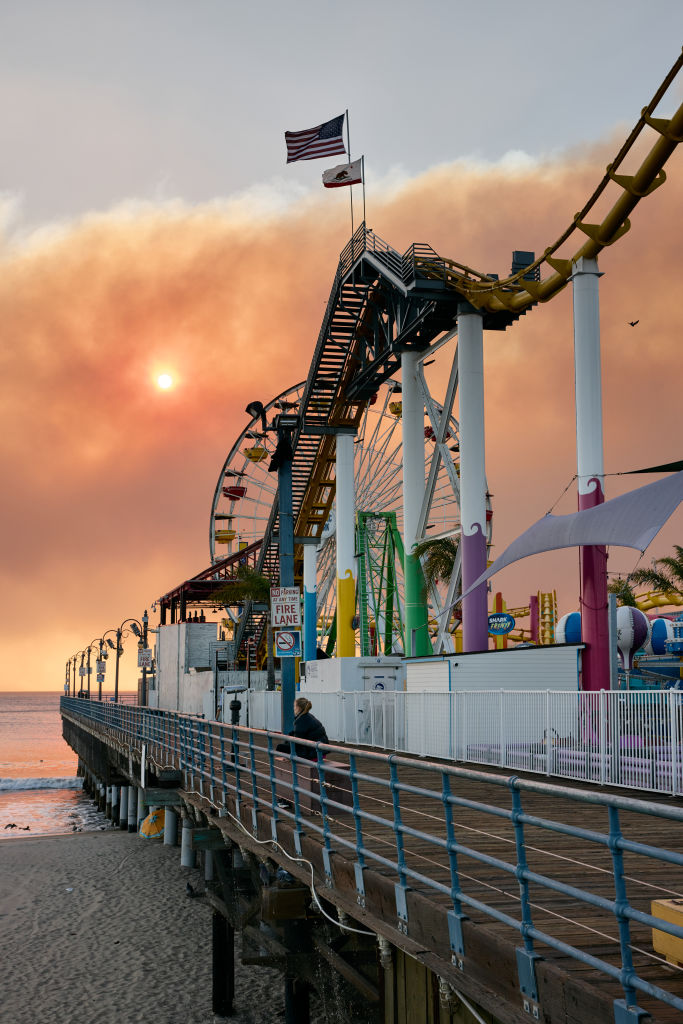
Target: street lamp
(98,639)
(139,629)
(81,672)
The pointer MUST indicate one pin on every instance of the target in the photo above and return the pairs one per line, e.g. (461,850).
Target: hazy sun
(165,381)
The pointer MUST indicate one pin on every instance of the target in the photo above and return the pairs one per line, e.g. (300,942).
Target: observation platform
(531,900)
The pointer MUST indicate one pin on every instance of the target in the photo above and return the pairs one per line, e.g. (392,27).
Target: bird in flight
(632,323)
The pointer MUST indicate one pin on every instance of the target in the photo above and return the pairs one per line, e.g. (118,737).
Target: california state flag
(344,174)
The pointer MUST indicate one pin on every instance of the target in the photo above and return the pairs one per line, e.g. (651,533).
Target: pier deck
(512,857)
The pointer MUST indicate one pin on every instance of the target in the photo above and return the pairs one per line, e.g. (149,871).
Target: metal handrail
(220,760)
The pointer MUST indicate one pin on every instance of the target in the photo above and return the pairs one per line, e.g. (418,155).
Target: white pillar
(310,600)
(108,801)
(115,804)
(132,809)
(123,812)
(595,674)
(472,476)
(170,827)
(345,514)
(187,854)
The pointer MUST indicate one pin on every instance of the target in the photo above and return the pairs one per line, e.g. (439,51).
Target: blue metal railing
(220,760)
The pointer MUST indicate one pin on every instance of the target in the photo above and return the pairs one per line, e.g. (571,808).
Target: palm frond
(623,591)
(248,585)
(672,567)
(653,579)
(439,559)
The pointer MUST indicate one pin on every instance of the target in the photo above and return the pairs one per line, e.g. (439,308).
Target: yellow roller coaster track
(516,294)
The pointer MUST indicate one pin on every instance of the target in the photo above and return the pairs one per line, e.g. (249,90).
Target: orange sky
(108,481)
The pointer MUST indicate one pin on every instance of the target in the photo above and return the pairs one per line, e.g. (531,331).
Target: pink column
(590,469)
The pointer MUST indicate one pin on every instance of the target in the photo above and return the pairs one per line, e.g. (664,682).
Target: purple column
(590,469)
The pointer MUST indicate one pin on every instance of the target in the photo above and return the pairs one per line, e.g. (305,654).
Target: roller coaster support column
(346,513)
(282,462)
(310,546)
(589,455)
(472,475)
(413,424)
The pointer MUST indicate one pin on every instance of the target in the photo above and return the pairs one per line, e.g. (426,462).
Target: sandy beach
(96,928)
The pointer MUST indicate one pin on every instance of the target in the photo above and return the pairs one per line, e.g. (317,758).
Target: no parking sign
(288,643)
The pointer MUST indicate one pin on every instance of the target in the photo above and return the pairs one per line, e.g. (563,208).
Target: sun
(165,381)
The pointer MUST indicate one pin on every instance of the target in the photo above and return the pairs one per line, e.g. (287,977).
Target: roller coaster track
(493,296)
(382,302)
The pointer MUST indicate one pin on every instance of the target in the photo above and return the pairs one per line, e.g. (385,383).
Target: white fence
(630,739)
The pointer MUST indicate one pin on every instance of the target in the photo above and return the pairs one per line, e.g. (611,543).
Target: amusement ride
(368,427)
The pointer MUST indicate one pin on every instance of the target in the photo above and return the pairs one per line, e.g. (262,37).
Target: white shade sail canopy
(632,520)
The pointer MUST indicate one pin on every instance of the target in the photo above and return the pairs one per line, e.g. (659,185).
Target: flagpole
(362,174)
(348,144)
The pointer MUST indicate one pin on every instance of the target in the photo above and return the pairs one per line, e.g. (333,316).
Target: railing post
(327,848)
(602,712)
(526,957)
(626,1009)
(401,887)
(238,780)
(548,734)
(297,802)
(202,758)
(359,866)
(673,696)
(501,732)
(254,787)
(273,788)
(456,915)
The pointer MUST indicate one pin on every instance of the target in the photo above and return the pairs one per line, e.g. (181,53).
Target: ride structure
(387,312)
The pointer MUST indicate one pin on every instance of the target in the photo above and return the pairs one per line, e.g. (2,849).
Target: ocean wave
(13,785)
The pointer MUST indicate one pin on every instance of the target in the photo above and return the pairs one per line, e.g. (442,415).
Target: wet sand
(96,928)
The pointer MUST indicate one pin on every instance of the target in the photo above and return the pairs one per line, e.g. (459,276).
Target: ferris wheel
(245,493)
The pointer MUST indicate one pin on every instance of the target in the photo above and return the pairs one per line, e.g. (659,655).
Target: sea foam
(13,785)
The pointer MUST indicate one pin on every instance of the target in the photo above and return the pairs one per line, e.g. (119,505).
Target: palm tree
(440,559)
(623,590)
(249,585)
(668,578)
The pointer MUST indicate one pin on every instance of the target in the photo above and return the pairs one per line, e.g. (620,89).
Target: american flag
(324,140)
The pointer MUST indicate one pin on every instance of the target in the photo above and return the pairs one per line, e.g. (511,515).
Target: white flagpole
(348,144)
(362,174)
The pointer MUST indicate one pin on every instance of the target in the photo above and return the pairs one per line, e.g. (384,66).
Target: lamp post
(98,639)
(99,673)
(139,629)
(81,673)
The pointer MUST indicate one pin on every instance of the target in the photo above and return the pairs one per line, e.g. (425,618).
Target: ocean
(40,793)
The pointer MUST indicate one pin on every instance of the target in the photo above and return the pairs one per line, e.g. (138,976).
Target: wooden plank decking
(568,989)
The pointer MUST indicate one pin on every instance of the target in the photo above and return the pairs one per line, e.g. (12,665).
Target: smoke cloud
(108,481)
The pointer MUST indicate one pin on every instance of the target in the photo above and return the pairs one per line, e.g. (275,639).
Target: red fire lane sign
(285,607)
